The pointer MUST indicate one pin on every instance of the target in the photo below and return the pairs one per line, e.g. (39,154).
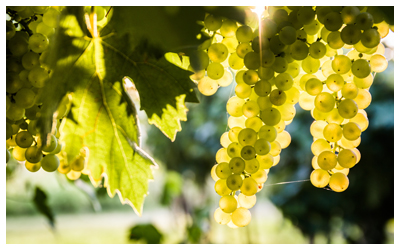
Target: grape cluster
(291,55)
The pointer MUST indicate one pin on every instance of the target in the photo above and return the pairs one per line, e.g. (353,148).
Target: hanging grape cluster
(325,58)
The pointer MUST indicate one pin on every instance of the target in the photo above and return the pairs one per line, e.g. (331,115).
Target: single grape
(277,97)
(350,34)
(221,187)
(332,132)
(341,64)
(222,170)
(243,48)
(237,165)
(218,52)
(262,146)
(19,153)
(247,136)
(249,187)
(24,139)
(252,60)
(33,154)
(234,182)
(351,131)
(221,218)
(339,182)
(327,160)
(361,68)
(280,65)
(207,86)
(247,201)
(213,23)
(333,21)
(313,86)
(228,28)
(299,50)
(305,15)
(364,21)
(33,167)
(320,145)
(244,34)
(25,98)
(199,60)
(38,43)
(228,203)
(348,108)
(347,158)
(324,102)
(248,153)
(319,178)
(235,62)
(317,50)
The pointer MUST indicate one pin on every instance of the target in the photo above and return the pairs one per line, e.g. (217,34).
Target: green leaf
(147,232)
(40,201)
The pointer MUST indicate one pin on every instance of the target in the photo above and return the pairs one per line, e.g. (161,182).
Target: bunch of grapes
(292,54)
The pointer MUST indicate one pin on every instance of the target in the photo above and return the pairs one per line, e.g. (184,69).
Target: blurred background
(45,207)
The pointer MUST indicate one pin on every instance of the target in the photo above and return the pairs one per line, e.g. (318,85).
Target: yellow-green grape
(50,163)
(15,112)
(335,82)
(236,121)
(276,45)
(242,49)
(299,50)
(288,35)
(313,86)
(324,34)
(250,109)
(270,116)
(234,182)
(363,99)
(347,158)
(233,134)
(348,108)
(319,178)
(304,79)
(248,152)
(218,52)
(351,34)
(335,42)
(247,136)
(38,77)
(237,165)
(344,143)
(310,65)
(244,34)
(339,182)
(361,68)
(241,217)
(234,149)
(280,126)
(253,96)
(213,173)
(280,65)
(268,132)
(326,69)
(317,50)
(213,23)
(252,60)
(318,115)
(267,58)
(262,146)
(234,106)
(341,64)
(265,161)
(249,186)
(222,170)
(222,155)
(362,121)
(228,203)
(221,218)
(207,86)
(327,160)
(33,167)
(13,82)
(231,43)
(370,38)
(349,14)
(19,153)
(235,62)
(251,166)
(333,21)
(215,70)
(262,88)
(242,90)
(284,139)
(51,144)
(284,81)
(50,18)
(250,77)
(18,44)
(47,31)
(351,131)
(305,15)
(73,175)
(30,60)
(275,148)
(312,28)
(199,60)
(38,42)
(221,187)
(254,123)
(319,146)
(314,162)
(364,83)
(276,160)
(264,102)
(260,176)
(247,201)
(277,97)
(293,69)
(25,98)
(265,73)
(33,154)
(292,96)
(332,132)
(317,128)
(324,102)
(334,117)
(228,28)
(24,139)
(224,140)
(10,30)
(350,90)
(378,63)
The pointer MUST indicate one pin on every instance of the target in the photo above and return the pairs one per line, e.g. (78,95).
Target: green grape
(293,69)
(40,9)
(265,161)
(221,218)
(364,21)
(250,109)
(344,143)
(332,132)
(335,82)
(33,167)
(224,140)
(259,44)
(213,23)
(310,65)
(321,12)
(235,62)
(265,73)
(57,149)
(221,187)
(299,50)
(252,60)
(277,97)
(278,15)
(262,88)
(207,86)
(250,77)
(222,155)
(341,64)
(198,60)
(276,45)
(304,79)
(234,182)
(288,111)
(243,90)
(280,65)
(51,144)
(25,98)
(9,131)
(234,106)
(350,34)
(249,187)
(30,60)
(237,165)
(233,134)
(32,113)
(312,28)
(334,40)
(349,14)
(230,42)
(275,148)
(33,154)
(38,43)
(228,203)
(318,115)
(10,30)
(270,116)
(317,128)
(19,153)
(306,101)
(247,136)
(339,182)
(363,99)
(260,176)
(351,131)
(313,86)
(236,122)
(8,155)
(268,132)
(333,21)
(319,146)
(18,45)
(24,139)
(38,77)
(222,170)
(50,18)
(47,31)
(248,153)
(305,15)
(241,217)
(324,34)
(288,35)
(262,146)
(268,28)
(292,96)
(334,117)
(218,52)
(244,34)
(317,50)
(361,68)
(15,112)
(267,58)
(242,49)
(284,81)
(264,102)
(327,160)
(215,70)
(348,108)
(350,90)
(324,102)
(13,82)
(246,201)
(50,163)
(234,149)
(254,123)
(364,83)
(319,178)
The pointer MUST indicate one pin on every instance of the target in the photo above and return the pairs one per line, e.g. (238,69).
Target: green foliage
(146,232)
(40,201)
